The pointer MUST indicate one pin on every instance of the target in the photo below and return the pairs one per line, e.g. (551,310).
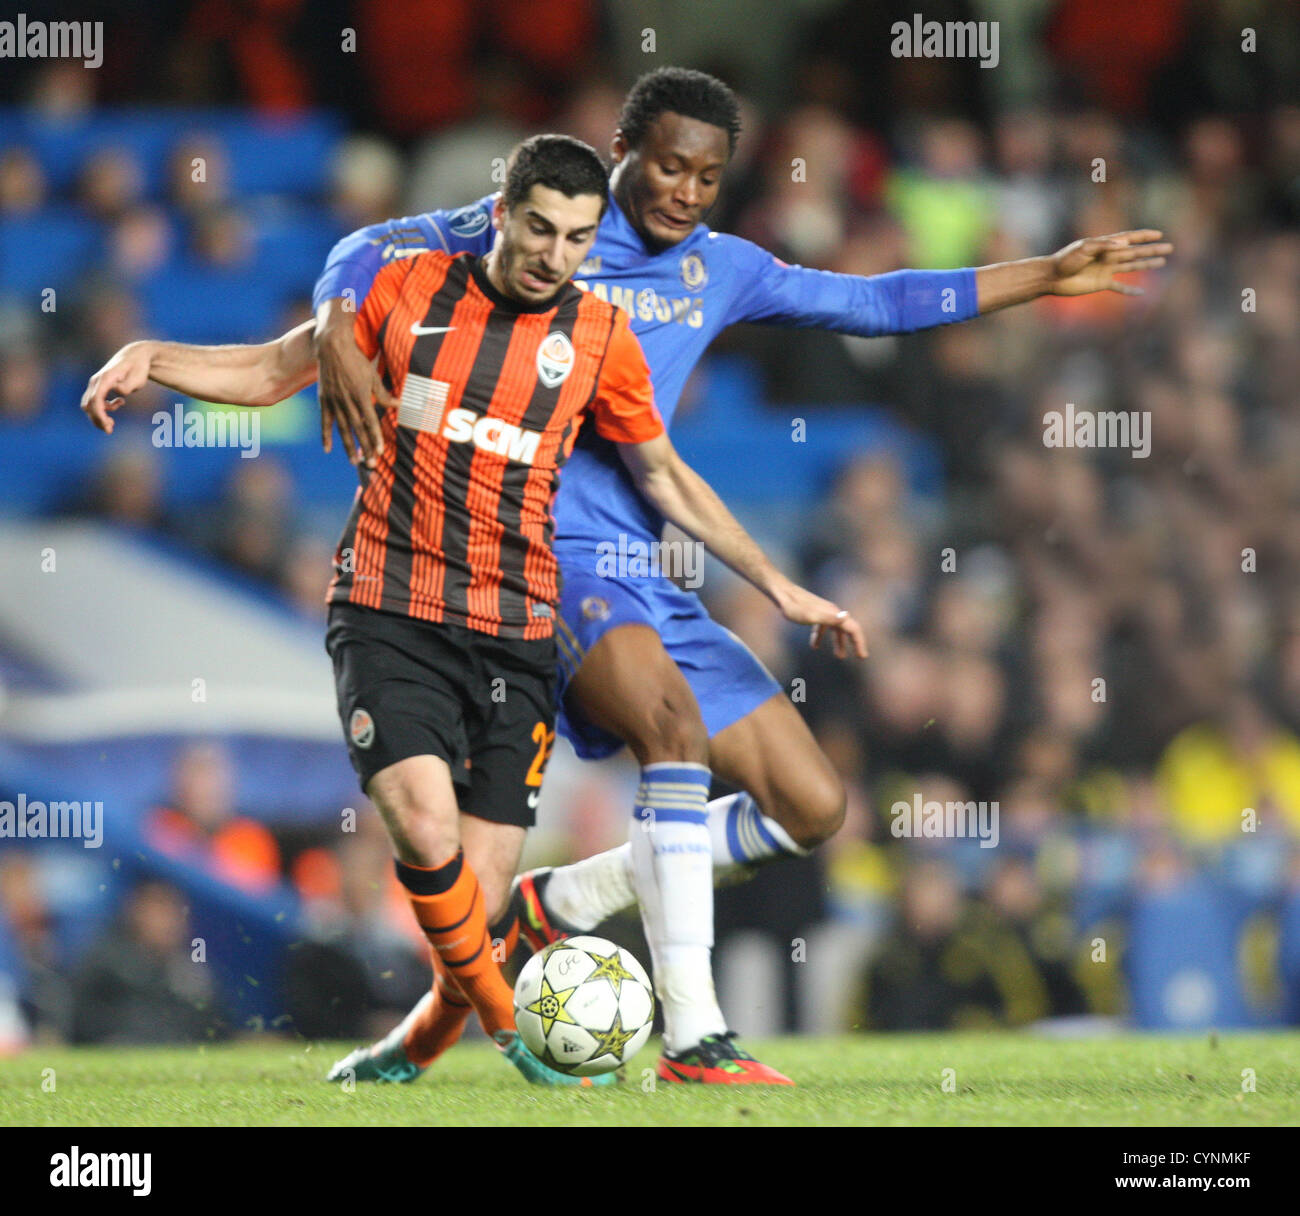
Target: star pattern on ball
(613,1041)
(610,967)
(550,1006)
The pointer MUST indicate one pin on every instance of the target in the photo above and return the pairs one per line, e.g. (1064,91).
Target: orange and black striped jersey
(454,524)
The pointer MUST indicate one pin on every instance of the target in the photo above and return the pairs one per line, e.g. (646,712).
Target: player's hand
(804,608)
(350,388)
(1092,263)
(108,388)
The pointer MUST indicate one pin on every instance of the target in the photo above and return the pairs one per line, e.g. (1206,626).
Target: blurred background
(1107,647)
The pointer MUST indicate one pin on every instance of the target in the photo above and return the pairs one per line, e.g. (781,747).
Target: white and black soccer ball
(584,1005)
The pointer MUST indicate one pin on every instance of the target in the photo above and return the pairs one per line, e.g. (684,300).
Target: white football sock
(672,866)
(596,888)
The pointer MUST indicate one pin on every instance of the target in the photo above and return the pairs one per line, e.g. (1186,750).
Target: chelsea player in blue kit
(643,664)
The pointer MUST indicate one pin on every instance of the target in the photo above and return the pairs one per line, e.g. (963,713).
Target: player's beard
(513,263)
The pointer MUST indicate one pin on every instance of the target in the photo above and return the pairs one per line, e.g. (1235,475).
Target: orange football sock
(441,1021)
(448,903)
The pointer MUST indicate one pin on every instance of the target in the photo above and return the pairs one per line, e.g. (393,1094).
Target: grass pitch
(997,1079)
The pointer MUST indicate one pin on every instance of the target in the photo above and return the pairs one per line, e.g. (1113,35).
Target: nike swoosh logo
(431,329)
(532,800)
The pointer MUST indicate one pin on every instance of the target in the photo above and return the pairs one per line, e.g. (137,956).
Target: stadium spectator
(200,824)
(198,175)
(1214,771)
(110,183)
(126,489)
(140,243)
(139,983)
(41,987)
(365,182)
(362,964)
(24,383)
(22,183)
(253,529)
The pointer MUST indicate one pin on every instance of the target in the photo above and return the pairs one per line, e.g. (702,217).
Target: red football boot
(536,925)
(716,1060)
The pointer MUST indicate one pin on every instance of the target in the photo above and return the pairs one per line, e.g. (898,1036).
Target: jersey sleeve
(353,263)
(771,291)
(624,409)
(380,300)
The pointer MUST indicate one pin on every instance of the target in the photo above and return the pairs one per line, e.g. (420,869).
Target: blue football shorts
(727,679)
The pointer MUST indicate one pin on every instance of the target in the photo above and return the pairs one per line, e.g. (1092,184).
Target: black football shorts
(485,705)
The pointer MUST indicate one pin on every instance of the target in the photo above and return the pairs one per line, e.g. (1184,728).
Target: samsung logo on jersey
(492,435)
(469,221)
(647,304)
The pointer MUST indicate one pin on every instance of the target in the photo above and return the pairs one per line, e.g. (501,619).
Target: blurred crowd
(1106,646)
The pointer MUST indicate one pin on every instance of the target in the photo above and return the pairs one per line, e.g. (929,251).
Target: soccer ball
(584,1005)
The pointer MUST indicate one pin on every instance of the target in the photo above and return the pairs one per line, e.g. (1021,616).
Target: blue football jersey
(679,300)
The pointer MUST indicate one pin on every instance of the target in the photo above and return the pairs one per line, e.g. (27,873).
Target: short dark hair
(560,162)
(680,91)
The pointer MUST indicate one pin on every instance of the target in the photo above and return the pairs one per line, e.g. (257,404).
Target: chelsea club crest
(694,273)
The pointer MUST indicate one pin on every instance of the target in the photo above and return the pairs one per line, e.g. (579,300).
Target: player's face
(542,241)
(667,184)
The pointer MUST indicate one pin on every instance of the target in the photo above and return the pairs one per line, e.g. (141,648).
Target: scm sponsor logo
(492,435)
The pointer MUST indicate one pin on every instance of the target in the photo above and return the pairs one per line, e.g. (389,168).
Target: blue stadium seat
(199,304)
(292,245)
(289,156)
(49,249)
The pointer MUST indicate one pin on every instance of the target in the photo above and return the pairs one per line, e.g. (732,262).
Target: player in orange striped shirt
(443,603)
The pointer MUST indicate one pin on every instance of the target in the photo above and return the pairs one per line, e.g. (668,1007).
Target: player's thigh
(417,801)
(492,850)
(772,754)
(510,734)
(401,693)
(629,685)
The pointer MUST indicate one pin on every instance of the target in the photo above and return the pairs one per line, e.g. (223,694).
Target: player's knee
(671,730)
(816,809)
(420,834)
(496,899)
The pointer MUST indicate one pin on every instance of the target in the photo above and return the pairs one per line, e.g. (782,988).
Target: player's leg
(493,849)
(419,806)
(404,690)
(794,802)
(629,686)
(771,754)
(726,683)
(510,715)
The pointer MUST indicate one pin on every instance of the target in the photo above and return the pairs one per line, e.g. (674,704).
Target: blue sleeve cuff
(935,297)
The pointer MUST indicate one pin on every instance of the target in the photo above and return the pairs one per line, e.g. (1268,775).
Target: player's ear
(499,212)
(618,148)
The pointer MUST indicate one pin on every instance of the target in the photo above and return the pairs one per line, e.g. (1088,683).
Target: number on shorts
(545,740)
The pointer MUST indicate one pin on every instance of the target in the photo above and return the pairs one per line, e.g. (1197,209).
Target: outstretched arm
(902,301)
(682,496)
(230,375)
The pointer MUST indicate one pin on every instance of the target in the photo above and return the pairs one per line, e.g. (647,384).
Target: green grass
(1000,1079)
